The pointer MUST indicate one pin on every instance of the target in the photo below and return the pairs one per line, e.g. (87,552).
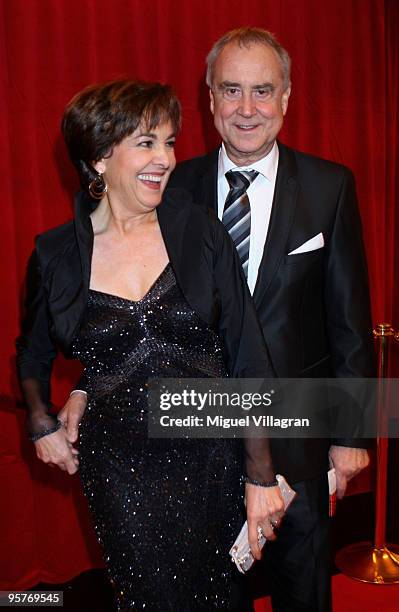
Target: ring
(260,533)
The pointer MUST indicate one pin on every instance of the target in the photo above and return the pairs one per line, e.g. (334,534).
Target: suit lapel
(84,206)
(282,216)
(172,216)
(185,237)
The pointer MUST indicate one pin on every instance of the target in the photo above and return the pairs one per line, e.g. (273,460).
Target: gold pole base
(364,562)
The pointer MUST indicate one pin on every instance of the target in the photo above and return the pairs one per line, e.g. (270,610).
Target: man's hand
(347,463)
(265,509)
(71,415)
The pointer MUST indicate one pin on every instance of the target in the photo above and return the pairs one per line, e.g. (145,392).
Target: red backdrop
(344,106)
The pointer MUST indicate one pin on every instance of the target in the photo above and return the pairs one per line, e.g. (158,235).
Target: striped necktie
(237,212)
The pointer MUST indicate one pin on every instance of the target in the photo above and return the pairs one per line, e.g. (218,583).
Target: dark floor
(91,591)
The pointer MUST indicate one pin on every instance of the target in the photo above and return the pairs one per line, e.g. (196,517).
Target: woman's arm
(35,355)
(247,357)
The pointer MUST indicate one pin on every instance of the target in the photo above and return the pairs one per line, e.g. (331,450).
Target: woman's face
(139,168)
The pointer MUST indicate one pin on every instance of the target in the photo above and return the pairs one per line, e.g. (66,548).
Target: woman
(135,289)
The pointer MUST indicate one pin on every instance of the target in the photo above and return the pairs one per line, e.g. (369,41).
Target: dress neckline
(146,295)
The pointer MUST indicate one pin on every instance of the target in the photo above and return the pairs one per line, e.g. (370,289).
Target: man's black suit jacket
(313,307)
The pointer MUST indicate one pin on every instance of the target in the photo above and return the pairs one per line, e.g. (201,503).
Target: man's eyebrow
(267,85)
(229,84)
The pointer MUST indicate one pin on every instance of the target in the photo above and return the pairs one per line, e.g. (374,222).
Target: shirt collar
(267,166)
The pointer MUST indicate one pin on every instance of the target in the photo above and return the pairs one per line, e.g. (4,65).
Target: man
(299,239)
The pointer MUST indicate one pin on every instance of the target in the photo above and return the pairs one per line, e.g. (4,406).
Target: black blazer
(313,307)
(204,261)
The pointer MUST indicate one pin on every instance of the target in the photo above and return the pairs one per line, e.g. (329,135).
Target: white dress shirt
(260,194)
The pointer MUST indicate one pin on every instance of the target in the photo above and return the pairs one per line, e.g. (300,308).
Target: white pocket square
(317,242)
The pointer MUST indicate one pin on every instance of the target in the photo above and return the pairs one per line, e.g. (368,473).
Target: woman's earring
(98,188)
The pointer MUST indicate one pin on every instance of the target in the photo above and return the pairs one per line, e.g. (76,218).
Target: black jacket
(313,307)
(207,270)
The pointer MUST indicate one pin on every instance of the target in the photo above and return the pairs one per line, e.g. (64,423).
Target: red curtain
(344,106)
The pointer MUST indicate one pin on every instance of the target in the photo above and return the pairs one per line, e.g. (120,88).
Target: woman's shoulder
(55,241)
(197,221)
(179,200)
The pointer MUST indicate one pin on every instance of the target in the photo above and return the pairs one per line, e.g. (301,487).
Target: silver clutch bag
(240,552)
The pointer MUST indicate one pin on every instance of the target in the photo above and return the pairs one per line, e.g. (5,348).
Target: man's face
(248,100)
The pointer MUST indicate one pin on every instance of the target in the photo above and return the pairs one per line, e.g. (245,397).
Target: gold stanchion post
(376,563)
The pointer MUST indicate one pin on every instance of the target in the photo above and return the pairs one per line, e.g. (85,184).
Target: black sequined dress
(166,511)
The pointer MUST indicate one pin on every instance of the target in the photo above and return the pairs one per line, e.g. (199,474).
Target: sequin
(165,511)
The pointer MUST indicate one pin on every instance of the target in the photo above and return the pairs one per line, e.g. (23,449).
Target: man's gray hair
(244,37)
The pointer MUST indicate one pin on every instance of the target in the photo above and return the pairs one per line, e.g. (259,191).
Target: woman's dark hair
(101,116)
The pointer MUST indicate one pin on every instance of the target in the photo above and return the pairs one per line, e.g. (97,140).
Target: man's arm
(349,323)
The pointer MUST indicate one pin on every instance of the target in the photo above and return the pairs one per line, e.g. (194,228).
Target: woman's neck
(119,220)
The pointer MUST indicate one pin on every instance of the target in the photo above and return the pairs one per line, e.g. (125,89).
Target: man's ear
(284,100)
(212,102)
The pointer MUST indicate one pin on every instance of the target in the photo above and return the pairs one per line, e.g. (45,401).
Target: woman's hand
(54,449)
(57,448)
(265,509)
(71,415)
